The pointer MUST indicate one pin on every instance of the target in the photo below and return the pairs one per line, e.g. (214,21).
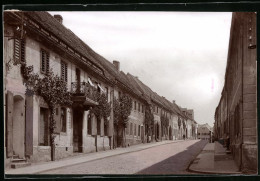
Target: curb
(94,159)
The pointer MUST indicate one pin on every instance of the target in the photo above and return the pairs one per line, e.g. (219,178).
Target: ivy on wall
(103,109)
(149,121)
(53,89)
(122,109)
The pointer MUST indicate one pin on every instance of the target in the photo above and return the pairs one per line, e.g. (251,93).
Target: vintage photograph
(130,92)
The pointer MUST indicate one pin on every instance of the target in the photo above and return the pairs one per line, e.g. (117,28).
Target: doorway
(77,130)
(19,126)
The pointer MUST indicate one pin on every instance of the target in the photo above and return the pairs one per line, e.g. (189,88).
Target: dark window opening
(63,120)
(89,124)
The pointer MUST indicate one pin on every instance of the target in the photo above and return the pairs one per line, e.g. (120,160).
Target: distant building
(205,132)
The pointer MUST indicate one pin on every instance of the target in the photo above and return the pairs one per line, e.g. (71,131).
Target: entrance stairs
(17,162)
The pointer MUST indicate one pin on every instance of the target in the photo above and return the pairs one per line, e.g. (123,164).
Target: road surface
(173,158)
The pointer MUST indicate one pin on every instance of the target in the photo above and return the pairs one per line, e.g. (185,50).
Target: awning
(101,88)
(90,82)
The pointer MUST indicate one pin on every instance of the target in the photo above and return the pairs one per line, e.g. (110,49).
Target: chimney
(116,64)
(58,18)
(173,101)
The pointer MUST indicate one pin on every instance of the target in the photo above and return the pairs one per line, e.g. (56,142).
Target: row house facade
(40,40)
(236,113)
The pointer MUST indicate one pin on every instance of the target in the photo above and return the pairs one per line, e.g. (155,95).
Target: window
(142,108)
(139,128)
(135,105)
(98,126)
(135,130)
(139,107)
(64,71)
(127,129)
(119,94)
(157,109)
(89,124)
(45,61)
(106,129)
(43,127)
(63,119)
(19,51)
(131,128)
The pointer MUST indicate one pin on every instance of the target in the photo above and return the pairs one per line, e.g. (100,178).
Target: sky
(180,55)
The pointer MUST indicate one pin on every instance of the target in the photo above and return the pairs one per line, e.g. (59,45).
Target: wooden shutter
(29,126)
(22,51)
(66,72)
(57,119)
(47,62)
(9,123)
(43,61)
(17,51)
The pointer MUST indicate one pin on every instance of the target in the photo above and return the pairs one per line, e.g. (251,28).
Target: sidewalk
(213,159)
(36,168)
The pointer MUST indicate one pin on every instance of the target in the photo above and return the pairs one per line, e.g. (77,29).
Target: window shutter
(62,70)
(22,51)
(9,123)
(66,72)
(47,63)
(57,119)
(43,61)
(17,50)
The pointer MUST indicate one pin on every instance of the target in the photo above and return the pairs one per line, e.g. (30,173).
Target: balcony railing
(84,89)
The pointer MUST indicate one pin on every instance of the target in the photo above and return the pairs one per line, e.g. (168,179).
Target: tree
(53,89)
(122,110)
(149,121)
(102,110)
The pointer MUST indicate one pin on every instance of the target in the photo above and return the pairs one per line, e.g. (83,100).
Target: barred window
(64,71)
(45,62)
(19,51)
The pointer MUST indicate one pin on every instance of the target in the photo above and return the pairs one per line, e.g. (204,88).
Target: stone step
(18,160)
(20,165)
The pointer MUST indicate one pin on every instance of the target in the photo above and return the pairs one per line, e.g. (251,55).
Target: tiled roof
(56,28)
(139,88)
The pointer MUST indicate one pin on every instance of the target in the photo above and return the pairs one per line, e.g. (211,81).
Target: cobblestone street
(171,158)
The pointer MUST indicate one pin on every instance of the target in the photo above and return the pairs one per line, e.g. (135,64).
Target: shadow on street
(178,163)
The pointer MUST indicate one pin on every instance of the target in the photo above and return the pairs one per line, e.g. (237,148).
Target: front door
(19,126)
(77,130)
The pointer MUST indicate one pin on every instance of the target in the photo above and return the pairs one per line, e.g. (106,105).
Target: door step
(17,162)
(20,165)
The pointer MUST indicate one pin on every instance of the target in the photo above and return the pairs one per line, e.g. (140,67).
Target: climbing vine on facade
(122,109)
(103,109)
(53,89)
(149,121)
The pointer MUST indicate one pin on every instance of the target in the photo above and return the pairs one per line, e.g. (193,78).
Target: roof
(51,24)
(56,28)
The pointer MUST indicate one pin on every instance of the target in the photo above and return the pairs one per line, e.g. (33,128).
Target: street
(173,158)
